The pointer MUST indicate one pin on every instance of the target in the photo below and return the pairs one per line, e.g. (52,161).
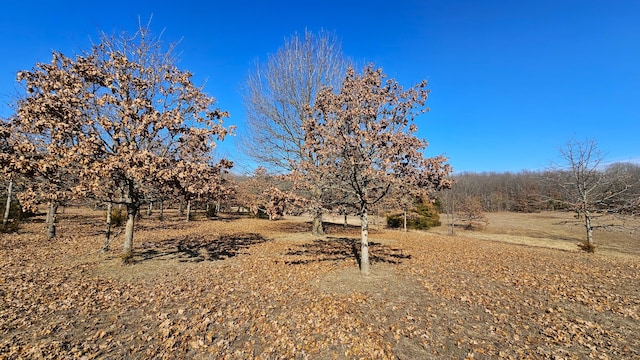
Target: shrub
(395,221)
(423,217)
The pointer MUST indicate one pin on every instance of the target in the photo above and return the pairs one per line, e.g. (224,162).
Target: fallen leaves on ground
(248,288)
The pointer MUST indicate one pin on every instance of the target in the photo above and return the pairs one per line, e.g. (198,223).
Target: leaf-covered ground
(246,288)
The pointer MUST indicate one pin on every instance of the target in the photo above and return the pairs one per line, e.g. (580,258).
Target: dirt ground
(241,288)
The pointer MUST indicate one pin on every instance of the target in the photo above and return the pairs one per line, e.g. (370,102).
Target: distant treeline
(533,191)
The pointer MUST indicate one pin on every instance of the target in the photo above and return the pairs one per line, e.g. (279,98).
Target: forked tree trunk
(107,235)
(52,219)
(364,243)
(7,207)
(127,247)
(318,226)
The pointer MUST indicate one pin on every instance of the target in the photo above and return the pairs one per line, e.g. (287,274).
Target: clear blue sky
(511,81)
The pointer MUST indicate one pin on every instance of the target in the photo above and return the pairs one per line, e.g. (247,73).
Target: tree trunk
(52,219)
(589,228)
(127,247)
(404,218)
(107,236)
(150,209)
(451,214)
(317,228)
(346,223)
(7,207)
(181,207)
(364,243)
(188,210)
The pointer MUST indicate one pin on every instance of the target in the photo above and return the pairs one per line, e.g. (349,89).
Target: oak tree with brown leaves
(363,143)
(48,133)
(125,115)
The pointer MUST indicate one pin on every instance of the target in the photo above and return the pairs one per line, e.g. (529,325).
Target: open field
(244,288)
(560,230)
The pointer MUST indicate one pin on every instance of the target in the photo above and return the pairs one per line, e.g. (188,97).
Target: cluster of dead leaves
(288,296)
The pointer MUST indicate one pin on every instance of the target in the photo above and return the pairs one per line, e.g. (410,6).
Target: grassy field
(242,288)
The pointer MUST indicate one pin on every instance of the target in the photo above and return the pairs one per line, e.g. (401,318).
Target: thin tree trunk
(181,207)
(107,236)
(188,210)
(7,207)
(404,217)
(150,209)
(52,219)
(346,223)
(127,247)
(364,243)
(452,223)
(317,228)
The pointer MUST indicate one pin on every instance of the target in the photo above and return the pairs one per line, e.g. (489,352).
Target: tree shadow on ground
(329,228)
(199,248)
(341,249)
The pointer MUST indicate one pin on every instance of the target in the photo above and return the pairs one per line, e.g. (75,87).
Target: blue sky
(511,81)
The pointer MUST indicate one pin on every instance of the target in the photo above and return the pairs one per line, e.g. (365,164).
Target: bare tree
(585,184)
(277,95)
(363,144)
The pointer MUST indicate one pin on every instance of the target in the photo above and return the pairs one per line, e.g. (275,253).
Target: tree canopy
(361,143)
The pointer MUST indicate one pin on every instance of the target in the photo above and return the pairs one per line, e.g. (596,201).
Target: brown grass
(560,230)
(247,288)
